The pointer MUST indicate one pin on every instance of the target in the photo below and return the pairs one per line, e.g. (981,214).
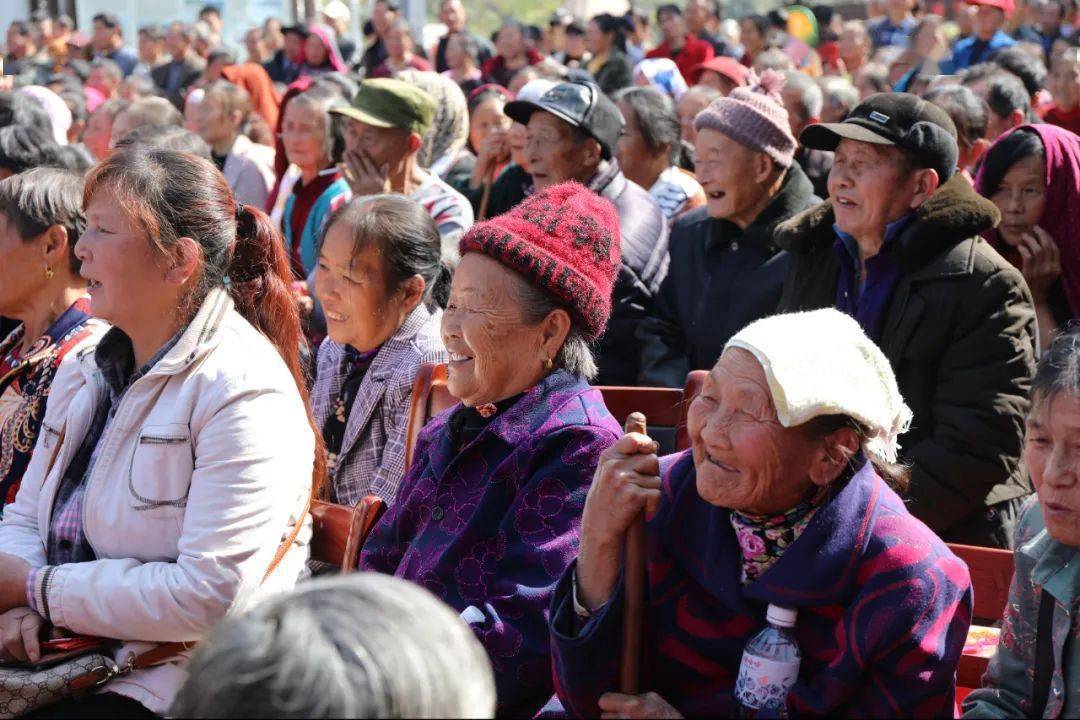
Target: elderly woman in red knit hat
(487,517)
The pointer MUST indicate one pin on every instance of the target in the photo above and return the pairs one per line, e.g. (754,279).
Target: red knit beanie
(564,241)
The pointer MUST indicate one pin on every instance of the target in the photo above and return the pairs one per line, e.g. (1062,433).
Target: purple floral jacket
(884,608)
(490,529)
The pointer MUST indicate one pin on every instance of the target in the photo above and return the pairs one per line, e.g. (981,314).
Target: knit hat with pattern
(565,241)
(754,116)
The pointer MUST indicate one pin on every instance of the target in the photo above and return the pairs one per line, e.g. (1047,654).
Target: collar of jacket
(948,217)
(386,360)
(1056,566)
(817,569)
(609,180)
(792,197)
(201,336)
(538,407)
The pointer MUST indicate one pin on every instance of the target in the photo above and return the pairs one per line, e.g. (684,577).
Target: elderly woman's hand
(20,634)
(627,481)
(649,705)
(13,574)
(1040,261)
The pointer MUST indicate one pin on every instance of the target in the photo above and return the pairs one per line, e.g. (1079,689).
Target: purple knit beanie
(754,116)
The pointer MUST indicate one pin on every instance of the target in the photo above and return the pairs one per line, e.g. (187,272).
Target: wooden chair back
(991,574)
(339,531)
(429,398)
(661,407)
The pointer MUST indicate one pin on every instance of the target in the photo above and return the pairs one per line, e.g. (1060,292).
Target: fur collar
(952,214)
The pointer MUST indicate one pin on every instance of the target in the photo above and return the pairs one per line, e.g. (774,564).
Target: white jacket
(249,170)
(201,474)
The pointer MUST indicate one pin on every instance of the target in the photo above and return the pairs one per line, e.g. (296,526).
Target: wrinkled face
(869,187)
(304,136)
(631,151)
(452,15)
(22,269)
(1053,459)
(713,79)
(988,20)
(673,26)
(213,123)
(314,51)
(124,272)
(385,146)
(744,458)
(722,165)
(510,43)
(1021,198)
(486,118)
(484,330)
(555,152)
(690,105)
(1064,83)
(97,134)
(751,38)
(360,311)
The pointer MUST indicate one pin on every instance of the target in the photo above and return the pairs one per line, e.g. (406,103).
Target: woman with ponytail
(160,498)
(383,286)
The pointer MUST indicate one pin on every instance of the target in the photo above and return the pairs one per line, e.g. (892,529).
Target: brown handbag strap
(167,651)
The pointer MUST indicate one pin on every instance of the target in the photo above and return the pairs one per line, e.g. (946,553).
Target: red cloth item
(729,67)
(495,71)
(565,241)
(255,80)
(1006,6)
(1061,215)
(694,53)
(1068,119)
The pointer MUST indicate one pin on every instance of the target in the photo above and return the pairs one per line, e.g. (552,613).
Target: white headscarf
(822,363)
(57,109)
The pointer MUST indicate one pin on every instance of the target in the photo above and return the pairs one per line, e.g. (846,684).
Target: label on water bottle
(764,683)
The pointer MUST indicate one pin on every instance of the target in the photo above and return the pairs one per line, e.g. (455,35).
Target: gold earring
(548,364)
(49,273)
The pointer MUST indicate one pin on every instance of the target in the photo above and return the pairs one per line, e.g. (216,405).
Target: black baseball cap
(299,29)
(920,128)
(582,105)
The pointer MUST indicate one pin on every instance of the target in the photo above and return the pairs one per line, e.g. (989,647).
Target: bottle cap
(781,616)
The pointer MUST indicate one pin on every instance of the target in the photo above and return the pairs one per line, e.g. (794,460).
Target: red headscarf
(1061,216)
(328,38)
(254,79)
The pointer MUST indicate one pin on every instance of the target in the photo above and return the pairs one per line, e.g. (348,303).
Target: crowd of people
(222,268)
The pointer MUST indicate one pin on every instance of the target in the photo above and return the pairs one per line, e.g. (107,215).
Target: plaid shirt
(67,542)
(371,459)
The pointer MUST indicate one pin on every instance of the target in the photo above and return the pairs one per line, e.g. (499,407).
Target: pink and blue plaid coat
(884,609)
(490,528)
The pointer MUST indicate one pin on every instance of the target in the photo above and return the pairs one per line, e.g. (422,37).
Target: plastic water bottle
(770,666)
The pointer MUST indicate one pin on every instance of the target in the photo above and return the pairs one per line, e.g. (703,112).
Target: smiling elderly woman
(784,499)
(487,518)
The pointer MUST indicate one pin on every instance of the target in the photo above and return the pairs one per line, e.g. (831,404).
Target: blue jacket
(489,528)
(971,51)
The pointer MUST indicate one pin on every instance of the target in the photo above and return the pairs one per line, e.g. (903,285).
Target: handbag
(24,690)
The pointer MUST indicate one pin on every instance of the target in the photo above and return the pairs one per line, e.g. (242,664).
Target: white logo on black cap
(879,117)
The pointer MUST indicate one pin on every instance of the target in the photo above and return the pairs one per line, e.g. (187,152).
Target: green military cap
(386,103)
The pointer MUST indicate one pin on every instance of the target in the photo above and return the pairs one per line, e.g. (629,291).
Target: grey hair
(364,645)
(576,355)
(656,119)
(839,92)
(323,101)
(809,93)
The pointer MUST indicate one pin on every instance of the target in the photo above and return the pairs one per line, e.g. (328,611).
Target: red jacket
(693,53)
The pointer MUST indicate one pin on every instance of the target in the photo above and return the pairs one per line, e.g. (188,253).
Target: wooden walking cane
(633,625)
(489,180)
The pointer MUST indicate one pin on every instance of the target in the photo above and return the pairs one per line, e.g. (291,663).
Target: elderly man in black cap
(898,248)
(573,129)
